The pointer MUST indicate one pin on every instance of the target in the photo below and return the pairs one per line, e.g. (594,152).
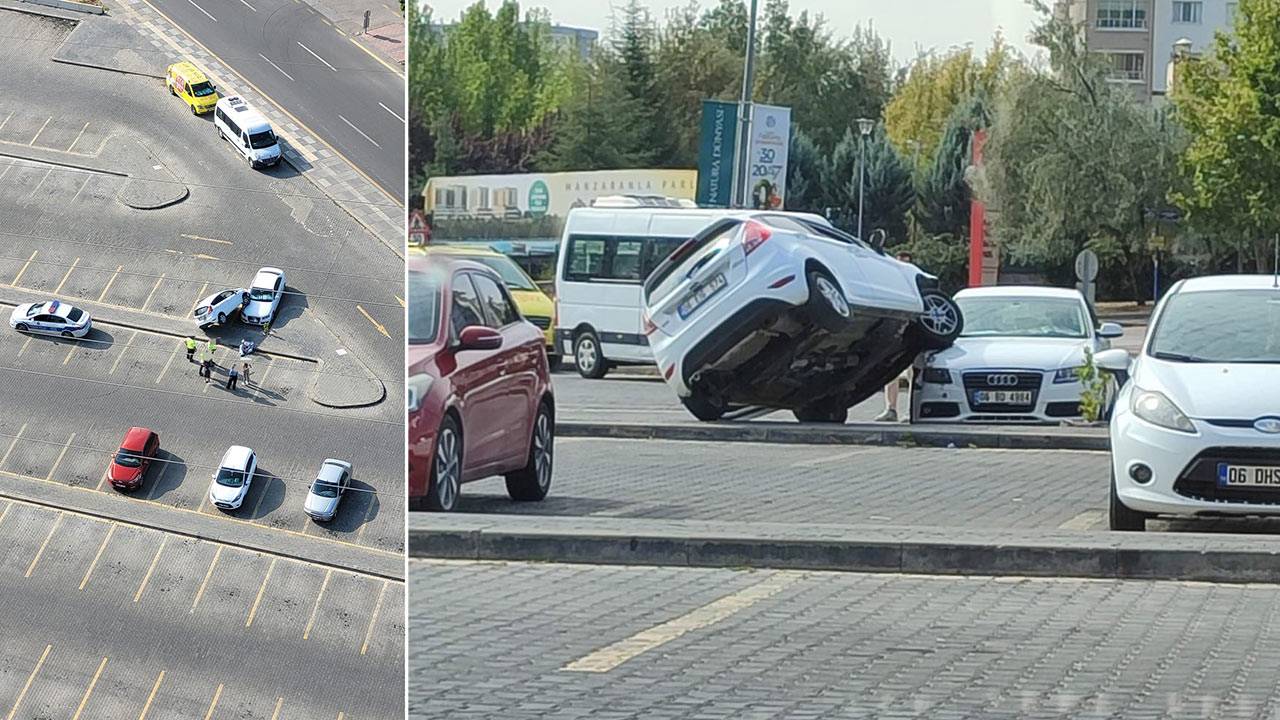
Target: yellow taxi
(185,81)
(534,304)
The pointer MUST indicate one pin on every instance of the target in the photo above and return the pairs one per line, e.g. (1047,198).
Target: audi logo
(1002,380)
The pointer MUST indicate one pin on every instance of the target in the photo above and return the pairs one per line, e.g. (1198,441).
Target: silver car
(265,293)
(331,483)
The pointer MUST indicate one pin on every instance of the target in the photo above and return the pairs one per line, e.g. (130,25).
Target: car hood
(121,473)
(224,492)
(321,505)
(20,313)
(1227,391)
(257,307)
(1011,352)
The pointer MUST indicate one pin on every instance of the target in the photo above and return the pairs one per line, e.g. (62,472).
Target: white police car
(51,318)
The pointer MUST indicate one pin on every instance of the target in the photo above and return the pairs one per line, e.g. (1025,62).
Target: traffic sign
(1087,266)
(419,235)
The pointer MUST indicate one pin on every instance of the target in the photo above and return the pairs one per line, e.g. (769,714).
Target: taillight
(649,327)
(753,236)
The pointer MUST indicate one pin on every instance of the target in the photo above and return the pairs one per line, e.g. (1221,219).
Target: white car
(1016,361)
(326,491)
(783,310)
(265,293)
(53,317)
(1196,430)
(231,482)
(216,308)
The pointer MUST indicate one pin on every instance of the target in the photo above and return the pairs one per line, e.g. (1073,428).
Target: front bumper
(226,504)
(265,162)
(953,402)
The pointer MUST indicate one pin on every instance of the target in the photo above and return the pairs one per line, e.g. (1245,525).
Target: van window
(626,259)
(231,125)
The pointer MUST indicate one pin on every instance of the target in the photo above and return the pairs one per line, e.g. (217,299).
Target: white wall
(1165,32)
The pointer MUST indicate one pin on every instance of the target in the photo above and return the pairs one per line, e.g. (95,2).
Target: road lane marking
(71,146)
(116,364)
(15,439)
(353,127)
(85,580)
(611,656)
(151,294)
(42,127)
(217,553)
(52,529)
(70,270)
(277,67)
(167,363)
(276,713)
(206,12)
(393,112)
(206,239)
(85,700)
(150,698)
(24,346)
(61,455)
(254,610)
(25,265)
(381,328)
(368,635)
(314,55)
(36,189)
(306,633)
(30,678)
(1085,520)
(147,577)
(110,282)
(216,693)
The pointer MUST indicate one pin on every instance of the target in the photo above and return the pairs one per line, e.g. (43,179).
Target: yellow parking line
(5,511)
(216,694)
(12,443)
(151,294)
(25,265)
(30,678)
(150,698)
(116,364)
(167,363)
(109,282)
(85,581)
(102,479)
(316,608)
(199,297)
(70,351)
(73,144)
(368,635)
(208,574)
(24,346)
(151,569)
(41,130)
(61,455)
(70,270)
(401,301)
(52,529)
(254,610)
(381,328)
(340,716)
(275,714)
(85,700)
(206,239)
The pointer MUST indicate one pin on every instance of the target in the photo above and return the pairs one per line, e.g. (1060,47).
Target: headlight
(1157,409)
(1067,375)
(417,388)
(938,376)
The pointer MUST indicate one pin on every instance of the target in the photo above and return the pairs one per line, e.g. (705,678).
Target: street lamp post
(739,188)
(864,128)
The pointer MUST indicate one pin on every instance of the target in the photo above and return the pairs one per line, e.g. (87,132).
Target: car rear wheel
(703,406)
(532,482)
(1120,516)
(827,304)
(941,322)
(222,318)
(588,356)
(444,485)
(824,411)
(23,327)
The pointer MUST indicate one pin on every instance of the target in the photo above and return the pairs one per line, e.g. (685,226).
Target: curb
(49,12)
(92,66)
(851,434)
(71,5)
(933,551)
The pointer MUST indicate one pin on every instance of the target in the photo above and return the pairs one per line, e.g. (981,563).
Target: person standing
(232,375)
(244,373)
(191,348)
(891,391)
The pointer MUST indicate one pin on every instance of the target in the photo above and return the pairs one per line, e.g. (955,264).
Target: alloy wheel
(447,469)
(542,450)
(939,316)
(832,295)
(586,355)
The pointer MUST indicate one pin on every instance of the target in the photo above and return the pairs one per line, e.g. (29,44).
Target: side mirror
(478,337)
(1110,330)
(1114,360)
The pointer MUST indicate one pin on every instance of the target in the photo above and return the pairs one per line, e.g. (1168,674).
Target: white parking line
(15,442)
(83,185)
(314,55)
(353,127)
(109,282)
(42,127)
(6,119)
(167,363)
(206,12)
(70,270)
(35,189)
(153,292)
(1085,520)
(393,112)
(242,2)
(116,364)
(264,57)
(78,136)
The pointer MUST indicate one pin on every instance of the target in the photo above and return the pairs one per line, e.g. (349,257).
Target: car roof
(188,70)
(329,472)
(462,251)
(55,307)
(1227,282)
(245,116)
(135,438)
(1021,291)
(236,457)
(266,277)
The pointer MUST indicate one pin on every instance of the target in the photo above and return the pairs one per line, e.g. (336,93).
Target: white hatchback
(1196,430)
(216,308)
(265,293)
(231,482)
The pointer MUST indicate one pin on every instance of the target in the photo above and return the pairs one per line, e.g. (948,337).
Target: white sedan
(218,307)
(1016,361)
(51,318)
(234,476)
(265,293)
(1196,430)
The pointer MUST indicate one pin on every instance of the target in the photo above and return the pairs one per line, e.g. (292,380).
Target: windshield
(262,294)
(34,309)
(124,458)
(1023,317)
(324,489)
(230,478)
(264,139)
(424,306)
(202,89)
(1239,326)
(511,274)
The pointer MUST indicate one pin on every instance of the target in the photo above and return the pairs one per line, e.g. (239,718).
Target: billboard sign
(767,156)
(715,153)
(546,195)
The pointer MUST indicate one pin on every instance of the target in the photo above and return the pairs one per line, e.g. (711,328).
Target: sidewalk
(386,25)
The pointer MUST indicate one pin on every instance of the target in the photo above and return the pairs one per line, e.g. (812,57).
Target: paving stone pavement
(493,640)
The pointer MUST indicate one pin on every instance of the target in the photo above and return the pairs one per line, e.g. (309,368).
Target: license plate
(700,296)
(1248,475)
(1002,397)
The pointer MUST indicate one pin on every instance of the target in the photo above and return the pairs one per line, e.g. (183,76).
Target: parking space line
(13,442)
(151,491)
(262,381)
(97,556)
(254,610)
(112,279)
(206,239)
(401,301)
(36,189)
(340,716)
(30,679)
(83,185)
(85,700)
(316,608)
(368,512)
(163,539)
(23,271)
(6,119)
(216,694)
(41,130)
(381,328)
(70,270)
(103,479)
(151,698)
(1085,520)
(5,511)
(151,294)
(70,351)
(129,344)
(377,607)
(167,363)
(262,496)
(199,297)
(52,529)
(61,455)
(72,145)
(217,553)
(275,714)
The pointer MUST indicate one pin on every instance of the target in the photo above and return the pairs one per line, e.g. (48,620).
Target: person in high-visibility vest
(191,348)
(206,362)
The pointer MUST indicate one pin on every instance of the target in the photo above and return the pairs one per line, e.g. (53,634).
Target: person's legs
(890,413)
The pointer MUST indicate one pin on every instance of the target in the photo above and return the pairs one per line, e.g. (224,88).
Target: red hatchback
(132,460)
(479,390)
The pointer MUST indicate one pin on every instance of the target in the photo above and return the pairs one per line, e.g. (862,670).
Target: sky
(908,25)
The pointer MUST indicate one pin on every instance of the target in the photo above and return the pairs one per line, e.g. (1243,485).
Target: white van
(247,131)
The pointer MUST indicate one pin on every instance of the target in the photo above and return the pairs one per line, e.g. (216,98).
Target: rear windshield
(75,315)
(264,139)
(664,279)
(202,89)
(424,306)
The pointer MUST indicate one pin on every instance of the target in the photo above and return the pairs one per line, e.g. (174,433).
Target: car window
(202,89)
(127,458)
(223,295)
(230,478)
(424,306)
(49,319)
(75,315)
(626,260)
(324,488)
(466,305)
(511,274)
(497,308)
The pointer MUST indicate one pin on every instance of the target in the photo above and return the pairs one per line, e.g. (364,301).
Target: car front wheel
(827,304)
(941,322)
(588,356)
(1120,516)
(444,485)
(532,482)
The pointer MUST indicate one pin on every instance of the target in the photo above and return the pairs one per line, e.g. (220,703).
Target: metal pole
(862,174)
(742,144)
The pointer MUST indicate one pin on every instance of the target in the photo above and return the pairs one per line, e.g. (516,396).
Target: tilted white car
(51,318)
(231,482)
(1196,430)
(783,310)
(219,306)
(265,293)
(1016,361)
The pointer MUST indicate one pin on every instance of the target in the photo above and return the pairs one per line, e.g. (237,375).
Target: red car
(479,389)
(132,460)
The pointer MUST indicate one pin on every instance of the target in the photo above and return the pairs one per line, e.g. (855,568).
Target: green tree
(889,193)
(597,128)
(804,175)
(943,192)
(695,61)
